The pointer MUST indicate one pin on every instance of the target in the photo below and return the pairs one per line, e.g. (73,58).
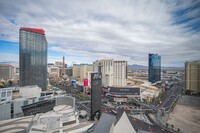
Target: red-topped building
(36,30)
(33,57)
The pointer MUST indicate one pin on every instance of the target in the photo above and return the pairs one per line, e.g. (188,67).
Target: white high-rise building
(114,73)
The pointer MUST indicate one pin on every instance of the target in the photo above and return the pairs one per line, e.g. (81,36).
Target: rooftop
(62,117)
(5,65)
(105,123)
(124,125)
(193,62)
(35,30)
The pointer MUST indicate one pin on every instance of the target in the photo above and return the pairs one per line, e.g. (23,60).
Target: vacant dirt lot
(186,115)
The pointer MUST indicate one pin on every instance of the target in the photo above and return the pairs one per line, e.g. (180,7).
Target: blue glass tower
(154,71)
(33,57)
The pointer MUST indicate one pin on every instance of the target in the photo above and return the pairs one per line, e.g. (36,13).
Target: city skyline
(85,32)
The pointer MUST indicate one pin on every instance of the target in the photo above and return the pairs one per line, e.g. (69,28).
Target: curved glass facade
(33,59)
(154,68)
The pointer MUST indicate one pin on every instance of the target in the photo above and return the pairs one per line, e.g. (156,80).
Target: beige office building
(6,71)
(114,73)
(192,77)
(54,72)
(81,70)
(59,64)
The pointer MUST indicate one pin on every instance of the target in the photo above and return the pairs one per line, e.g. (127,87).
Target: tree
(10,82)
(178,130)
(172,126)
(148,99)
(1,85)
(167,125)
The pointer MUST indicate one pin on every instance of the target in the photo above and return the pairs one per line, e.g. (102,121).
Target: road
(176,92)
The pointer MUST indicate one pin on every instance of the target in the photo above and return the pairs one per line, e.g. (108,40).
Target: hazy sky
(86,30)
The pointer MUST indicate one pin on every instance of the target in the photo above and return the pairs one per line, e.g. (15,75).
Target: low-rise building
(61,118)
(6,71)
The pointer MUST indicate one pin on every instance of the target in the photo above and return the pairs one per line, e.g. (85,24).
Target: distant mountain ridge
(136,66)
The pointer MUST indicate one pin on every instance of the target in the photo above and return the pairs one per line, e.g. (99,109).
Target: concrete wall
(65,100)
(17,108)
(30,91)
(5,111)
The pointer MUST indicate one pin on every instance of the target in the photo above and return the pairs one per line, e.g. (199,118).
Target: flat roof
(35,30)
(16,125)
(193,62)
(105,123)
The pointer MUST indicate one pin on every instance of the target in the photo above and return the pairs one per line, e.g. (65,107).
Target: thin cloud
(90,30)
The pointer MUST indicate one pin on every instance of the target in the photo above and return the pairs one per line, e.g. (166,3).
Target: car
(164,130)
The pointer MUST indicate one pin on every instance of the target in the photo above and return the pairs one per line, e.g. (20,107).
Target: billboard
(120,99)
(124,90)
(96,88)
(85,82)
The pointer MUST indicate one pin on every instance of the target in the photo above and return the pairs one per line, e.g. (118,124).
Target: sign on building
(96,88)
(85,82)
(124,91)
(120,99)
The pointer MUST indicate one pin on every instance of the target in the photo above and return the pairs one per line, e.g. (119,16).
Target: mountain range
(136,66)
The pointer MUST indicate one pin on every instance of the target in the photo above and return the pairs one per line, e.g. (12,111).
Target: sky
(86,30)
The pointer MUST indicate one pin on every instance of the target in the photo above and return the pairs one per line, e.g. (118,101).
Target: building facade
(154,71)
(114,73)
(33,57)
(192,77)
(120,73)
(69,71)
(54,72)
(59,64)
(81,70)
(6,71)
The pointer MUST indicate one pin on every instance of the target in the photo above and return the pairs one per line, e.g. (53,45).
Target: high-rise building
(154,71)
(192,77)
(114,73)
(6,71)
(81,70)
(33,57)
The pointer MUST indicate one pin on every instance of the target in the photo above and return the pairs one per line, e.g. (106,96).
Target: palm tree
(167,125)
(10,82)
(172,126)
(178,130)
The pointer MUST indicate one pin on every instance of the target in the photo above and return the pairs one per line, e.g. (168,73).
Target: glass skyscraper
(154,71)
(33,57)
